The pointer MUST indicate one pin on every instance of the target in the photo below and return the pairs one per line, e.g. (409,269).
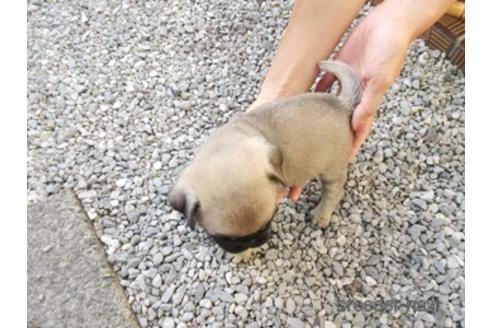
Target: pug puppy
(238,176)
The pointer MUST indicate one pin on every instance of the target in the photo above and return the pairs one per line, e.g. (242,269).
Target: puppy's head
(232,192)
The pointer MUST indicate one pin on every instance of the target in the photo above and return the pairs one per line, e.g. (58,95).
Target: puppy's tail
(349,81)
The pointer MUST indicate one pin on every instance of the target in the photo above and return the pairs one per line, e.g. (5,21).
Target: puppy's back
(311,130)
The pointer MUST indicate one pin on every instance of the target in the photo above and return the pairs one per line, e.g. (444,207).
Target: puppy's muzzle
(239,244)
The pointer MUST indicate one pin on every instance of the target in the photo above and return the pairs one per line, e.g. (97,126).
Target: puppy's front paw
(321,222)
(321,219)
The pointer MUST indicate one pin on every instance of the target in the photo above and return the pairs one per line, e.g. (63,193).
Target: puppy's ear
(276,159)
(187,203)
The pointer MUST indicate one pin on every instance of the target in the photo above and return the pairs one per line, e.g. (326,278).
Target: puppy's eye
(275,179)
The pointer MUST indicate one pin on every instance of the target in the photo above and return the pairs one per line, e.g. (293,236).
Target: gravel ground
(119,95)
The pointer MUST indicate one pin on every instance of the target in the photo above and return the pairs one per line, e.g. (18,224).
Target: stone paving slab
(70,283)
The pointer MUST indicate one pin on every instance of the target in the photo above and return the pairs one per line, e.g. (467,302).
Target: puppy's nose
(243,243)
(234,248)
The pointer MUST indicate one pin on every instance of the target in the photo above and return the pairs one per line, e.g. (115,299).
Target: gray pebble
(157,258)
(179,294)
(290,306)
(87,194)
(167,323)
(166,297)
(294,323)
(206,303)
(452,262)
(157,282)
(341,240)
(415,231)
(139,283)
(241,311)
(187,316)
(165,251)
(329,324)
(359,320)
(439,265)
(338,269)
(240,298)
(271,254)
(419,203)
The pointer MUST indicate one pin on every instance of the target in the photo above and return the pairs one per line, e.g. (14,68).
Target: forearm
(413,17)
(314,29)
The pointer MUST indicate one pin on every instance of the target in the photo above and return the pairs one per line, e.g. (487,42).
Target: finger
(370,101)
(294,193)
(367,108)
(363,117)
(325,82)
(360,137)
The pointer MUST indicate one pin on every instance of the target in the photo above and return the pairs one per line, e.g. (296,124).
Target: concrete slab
(70,282)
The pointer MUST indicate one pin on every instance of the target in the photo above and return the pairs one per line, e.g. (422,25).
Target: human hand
(376,50)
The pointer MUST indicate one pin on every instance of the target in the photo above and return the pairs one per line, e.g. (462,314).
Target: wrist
(278,88)
(292,79)
(270,93)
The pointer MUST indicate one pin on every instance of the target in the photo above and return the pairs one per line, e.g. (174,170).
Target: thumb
(360,137)
(371,98)
(363,117)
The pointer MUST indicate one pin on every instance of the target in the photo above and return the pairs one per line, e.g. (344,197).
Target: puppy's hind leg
(331,194)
